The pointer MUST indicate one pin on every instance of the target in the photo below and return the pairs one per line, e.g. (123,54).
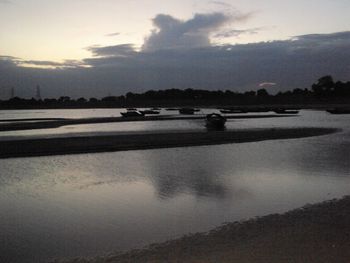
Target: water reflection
(95,203)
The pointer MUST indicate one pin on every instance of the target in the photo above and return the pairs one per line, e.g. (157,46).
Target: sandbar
(122,142)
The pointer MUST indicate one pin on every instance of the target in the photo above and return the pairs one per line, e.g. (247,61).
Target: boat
(187,111)
(215,121)
(258,109)
(285,111)
(144,112)
(339,111)
(132,113)
(228,111)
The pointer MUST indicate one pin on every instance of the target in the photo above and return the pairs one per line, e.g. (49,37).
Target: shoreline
(124,142)
(313,233)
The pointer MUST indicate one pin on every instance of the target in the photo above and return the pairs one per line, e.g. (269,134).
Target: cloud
(172,33)
(112,34)
(220,3)
(267,84)
(237,32)
(332,37)
(5,2)
(293,63)
(108,51)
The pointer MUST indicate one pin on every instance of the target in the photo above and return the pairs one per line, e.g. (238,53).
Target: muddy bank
(31,124)
(122,142)
(317,233)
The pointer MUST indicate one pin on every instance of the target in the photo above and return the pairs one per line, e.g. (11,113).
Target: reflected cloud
(195,174)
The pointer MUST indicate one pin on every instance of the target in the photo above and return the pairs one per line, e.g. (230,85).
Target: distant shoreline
(123,142)
(314,233)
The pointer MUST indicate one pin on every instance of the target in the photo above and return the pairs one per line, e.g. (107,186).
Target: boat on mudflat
(187,111)
(339,111)
(150,112)
(285,111)
(229,111)
(215,121)
(132,113)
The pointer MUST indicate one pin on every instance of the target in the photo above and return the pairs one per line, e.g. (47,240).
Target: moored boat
(132,114)
(144,112)
(215,121)
(228,111)
(339,111)
(187,111)
(285,111)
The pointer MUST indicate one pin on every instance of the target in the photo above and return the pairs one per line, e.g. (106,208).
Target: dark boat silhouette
(228,111)
(144,112)
(215,121)
(285,111)
(186,111)
(132,113)
(339,111)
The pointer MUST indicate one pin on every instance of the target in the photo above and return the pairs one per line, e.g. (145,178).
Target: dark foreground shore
(317,233)
(122,142)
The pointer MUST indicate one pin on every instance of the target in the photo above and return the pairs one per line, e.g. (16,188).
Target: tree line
(325,90)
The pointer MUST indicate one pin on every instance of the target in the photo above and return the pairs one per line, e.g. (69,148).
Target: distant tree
(262,93)
(81,100)
(109,99)
(324,86)
(64,99)
(93,100)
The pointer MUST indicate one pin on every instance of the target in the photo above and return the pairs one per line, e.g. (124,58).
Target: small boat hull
(188,111)
(149,112)
(215,121)
(338,111)
(132,114)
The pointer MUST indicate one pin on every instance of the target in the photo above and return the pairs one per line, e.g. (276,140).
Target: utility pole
(38,93)
(12,95)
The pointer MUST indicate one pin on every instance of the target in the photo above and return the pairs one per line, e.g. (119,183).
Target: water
(92,204)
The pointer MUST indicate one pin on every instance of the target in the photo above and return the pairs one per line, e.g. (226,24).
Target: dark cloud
(5,2)
(294,63)
(8,61)
(237,32)
(333,37)
(112,51)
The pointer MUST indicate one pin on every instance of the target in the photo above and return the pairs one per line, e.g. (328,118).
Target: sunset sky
(64,34)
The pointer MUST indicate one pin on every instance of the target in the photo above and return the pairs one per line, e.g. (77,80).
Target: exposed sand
(122,142)
(313,234)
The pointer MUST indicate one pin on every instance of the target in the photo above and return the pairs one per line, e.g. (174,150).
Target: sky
(100,47)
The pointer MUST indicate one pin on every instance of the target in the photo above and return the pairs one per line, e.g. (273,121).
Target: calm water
(92,204)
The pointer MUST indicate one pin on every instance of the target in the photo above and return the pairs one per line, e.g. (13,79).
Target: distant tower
(38,93)
(12,92)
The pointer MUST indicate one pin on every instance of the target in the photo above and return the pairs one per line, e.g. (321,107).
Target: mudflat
(122,142)
(314,233)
